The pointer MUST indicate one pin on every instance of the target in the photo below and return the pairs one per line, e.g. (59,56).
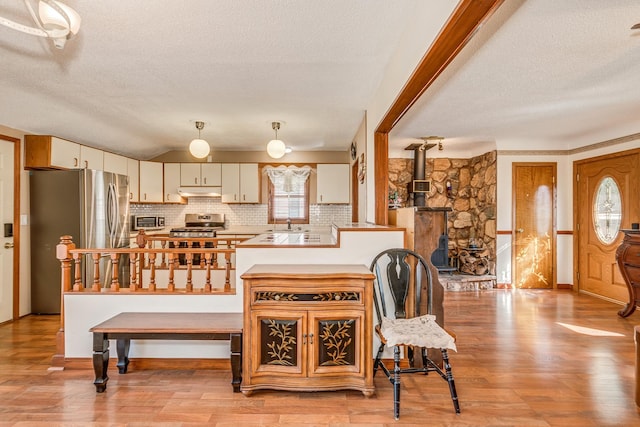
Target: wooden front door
(534,223)
(607,191)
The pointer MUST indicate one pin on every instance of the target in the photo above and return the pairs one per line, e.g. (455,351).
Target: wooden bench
(164,326)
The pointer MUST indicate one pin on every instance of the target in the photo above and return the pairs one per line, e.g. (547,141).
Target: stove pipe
(419,166)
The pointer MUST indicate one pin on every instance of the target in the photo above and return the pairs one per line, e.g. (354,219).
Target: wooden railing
(157,266)
(205,257)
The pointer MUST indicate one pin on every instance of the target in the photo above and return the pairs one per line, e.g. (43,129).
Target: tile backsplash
(240,214)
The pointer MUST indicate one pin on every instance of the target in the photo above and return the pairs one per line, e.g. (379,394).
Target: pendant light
(55,20)
(199,148)
(275,147)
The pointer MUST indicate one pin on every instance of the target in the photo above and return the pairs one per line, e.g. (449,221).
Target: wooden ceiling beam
(461,26)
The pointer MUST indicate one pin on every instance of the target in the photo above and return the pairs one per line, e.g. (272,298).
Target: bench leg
(236,361)
(122,347)
(100,360)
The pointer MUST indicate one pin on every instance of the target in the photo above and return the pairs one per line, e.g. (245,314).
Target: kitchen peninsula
(352,243)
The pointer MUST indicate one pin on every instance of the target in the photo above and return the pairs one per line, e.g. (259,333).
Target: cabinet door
(133,171)
(189,174)
(172,174)
(333,183)
(151,182)
(279,343)
(249,183)
(211,174)
(230,183)
(91,158)
(335,339)
(65,154)
(115,163)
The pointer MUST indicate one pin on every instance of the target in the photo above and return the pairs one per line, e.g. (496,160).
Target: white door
(6,243)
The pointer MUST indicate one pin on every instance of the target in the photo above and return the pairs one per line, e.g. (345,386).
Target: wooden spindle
(189,260)
(207,285)
(227,272)
(172,265)
(78,286)
(95,283)
(133,263)
(152,272)
(115,260)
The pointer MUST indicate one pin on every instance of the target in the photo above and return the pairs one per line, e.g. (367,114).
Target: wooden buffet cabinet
(628,258)
(308,328)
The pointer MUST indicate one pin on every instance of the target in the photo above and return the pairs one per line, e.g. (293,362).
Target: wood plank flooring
(516,365)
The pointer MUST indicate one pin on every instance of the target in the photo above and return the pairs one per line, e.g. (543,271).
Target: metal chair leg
(452,385)
(396,382)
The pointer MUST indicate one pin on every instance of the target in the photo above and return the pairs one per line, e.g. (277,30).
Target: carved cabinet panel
(308,332)
(307,343)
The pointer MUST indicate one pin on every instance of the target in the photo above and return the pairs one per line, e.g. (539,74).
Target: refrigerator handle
(112,212)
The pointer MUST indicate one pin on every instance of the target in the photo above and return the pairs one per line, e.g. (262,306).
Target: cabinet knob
(204,180)
(310,338)
(196,180)
(520,230)
(304,339)
(75,162)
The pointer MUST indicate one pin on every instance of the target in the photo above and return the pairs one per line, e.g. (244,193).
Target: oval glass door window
(607,210)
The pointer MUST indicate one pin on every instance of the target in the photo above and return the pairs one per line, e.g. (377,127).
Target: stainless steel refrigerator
(89,205)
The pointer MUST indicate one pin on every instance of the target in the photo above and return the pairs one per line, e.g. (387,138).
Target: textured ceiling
(540,74)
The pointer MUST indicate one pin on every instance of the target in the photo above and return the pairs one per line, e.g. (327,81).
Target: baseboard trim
(154,364)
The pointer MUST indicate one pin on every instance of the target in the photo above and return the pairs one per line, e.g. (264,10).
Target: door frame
(16,222)
(554,226)
(576,213)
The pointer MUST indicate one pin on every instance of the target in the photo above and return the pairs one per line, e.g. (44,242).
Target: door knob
(8,245)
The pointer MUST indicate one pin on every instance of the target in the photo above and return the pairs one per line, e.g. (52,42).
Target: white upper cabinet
(65,154)
(211,174)
(230,183)
(249,183)
(115,163)
(200,174)
(171,180)
(133,172)
(151,182)
(333,183)
(240,183)
(91,158)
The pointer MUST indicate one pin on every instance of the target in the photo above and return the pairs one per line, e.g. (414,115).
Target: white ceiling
(540,74)
(557,74)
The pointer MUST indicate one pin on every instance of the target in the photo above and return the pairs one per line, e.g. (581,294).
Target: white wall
(413,44)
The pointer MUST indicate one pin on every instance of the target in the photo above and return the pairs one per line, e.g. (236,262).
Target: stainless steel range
(199,225)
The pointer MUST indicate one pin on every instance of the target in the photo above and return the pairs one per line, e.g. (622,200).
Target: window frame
(271,202)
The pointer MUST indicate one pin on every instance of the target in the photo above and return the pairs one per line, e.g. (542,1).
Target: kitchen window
(288,194)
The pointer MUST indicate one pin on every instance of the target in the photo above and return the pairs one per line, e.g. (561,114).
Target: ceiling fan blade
(636,27)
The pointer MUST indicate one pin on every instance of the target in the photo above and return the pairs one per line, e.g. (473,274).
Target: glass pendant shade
(199,148)
(276,148)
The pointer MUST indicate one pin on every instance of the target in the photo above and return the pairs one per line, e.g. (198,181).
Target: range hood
(200,191)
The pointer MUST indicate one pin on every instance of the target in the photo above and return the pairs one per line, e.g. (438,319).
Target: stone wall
(468,186)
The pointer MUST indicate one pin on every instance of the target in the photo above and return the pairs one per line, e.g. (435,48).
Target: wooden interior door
(597,270)
(535,227)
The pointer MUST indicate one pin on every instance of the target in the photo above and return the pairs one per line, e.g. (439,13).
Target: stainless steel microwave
(147,222)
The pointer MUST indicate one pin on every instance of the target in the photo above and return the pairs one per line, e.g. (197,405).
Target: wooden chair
(403,303)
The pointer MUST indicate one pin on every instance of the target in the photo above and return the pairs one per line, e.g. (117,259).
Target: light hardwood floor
(516,365)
